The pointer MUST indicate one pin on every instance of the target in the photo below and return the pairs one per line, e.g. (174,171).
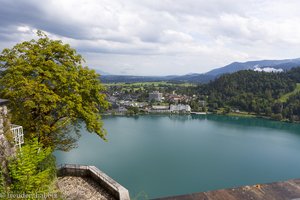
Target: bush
(277,116)
(33,169)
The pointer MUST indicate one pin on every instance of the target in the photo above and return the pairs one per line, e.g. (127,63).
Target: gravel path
(81,188)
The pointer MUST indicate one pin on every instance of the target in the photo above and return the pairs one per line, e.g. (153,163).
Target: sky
(159,37)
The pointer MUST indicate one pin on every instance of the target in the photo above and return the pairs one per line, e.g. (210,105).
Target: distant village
(153,102)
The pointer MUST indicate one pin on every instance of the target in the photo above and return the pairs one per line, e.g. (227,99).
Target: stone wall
(7,148)
(110,185)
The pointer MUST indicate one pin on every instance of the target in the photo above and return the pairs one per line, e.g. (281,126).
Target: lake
(156,156)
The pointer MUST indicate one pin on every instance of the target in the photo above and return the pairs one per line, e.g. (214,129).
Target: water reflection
(223,121)
(178,154)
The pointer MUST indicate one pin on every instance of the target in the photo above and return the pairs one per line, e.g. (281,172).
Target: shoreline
(231,114)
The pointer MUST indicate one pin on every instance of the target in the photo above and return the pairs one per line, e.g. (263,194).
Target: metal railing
(18,135)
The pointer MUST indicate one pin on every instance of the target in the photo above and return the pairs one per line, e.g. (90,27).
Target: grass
(241,114)
(235,114)
(155,84)
(286,96)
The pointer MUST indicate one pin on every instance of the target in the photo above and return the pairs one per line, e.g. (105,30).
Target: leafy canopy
(50,92)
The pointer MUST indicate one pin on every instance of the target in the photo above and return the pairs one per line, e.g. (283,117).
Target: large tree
(51,93)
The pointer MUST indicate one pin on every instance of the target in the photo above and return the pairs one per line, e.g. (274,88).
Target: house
(174,98)
(122,109)
(139,104)
(159,109)
(155,96)
(180,108)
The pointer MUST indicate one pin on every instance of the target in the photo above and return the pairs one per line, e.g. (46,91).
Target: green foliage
(2,182)
(132,110)
(248,85)
(195,106)
(275,95)
(49,90)
(33,169)
(277,116)
(291,109)
(226,110)
(286,96)
(294,74)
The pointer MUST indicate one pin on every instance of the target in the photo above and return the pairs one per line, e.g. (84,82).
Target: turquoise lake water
(156,156)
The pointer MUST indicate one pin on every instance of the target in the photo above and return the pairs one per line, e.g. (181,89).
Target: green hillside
(286,96)
(260,93)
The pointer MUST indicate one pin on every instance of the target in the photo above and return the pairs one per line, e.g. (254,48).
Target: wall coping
(117,190)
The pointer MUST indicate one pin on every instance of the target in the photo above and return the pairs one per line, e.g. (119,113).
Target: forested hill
(189,78)
(258,65)
(257,92)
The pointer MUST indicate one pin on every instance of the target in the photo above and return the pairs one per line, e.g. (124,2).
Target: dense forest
(275,95)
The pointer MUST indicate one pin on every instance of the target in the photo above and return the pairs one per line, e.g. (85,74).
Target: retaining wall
(114,188)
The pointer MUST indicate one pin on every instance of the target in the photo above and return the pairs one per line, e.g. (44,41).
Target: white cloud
(23,28)
(267,69)
(159,37)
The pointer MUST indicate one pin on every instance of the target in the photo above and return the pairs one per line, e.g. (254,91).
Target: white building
(159,107)
(156,96)
(139,104)
(180,108)
(122,109)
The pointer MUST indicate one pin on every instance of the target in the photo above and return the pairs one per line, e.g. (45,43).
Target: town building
(155,96)
(174,98)
(180,108)
(122,109)
(160,107)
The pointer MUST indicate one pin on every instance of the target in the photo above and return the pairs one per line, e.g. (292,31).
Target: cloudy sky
(159,37)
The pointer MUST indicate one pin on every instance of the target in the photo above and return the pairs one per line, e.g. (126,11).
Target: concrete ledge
(113,187)
(285,190)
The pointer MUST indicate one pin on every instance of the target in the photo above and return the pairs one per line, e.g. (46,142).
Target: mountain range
(260,65)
